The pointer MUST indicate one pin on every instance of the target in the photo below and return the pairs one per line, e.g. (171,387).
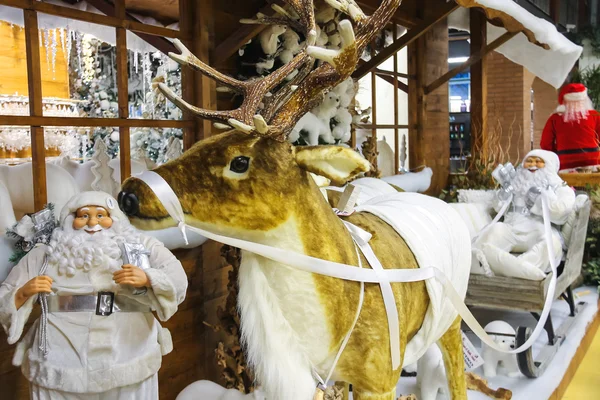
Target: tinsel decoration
(32,229)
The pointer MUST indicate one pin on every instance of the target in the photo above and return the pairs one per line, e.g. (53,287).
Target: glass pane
(13,59)
(385,101)
(147,68)
(78,66)
(155,146)
(15,143)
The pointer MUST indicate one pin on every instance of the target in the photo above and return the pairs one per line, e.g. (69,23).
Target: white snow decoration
(411,181)
(102,171)
(207,390)
(551,65)
(105,104)
(114,136)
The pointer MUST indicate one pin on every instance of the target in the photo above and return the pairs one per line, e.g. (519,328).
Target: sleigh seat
(516,294)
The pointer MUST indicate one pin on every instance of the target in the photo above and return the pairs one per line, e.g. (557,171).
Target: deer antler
(253,90)
(339,64)
(288,105)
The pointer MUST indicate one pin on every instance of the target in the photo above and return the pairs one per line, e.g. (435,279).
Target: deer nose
(129,203)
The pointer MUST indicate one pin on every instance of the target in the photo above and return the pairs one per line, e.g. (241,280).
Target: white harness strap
(350,272)
(167,197)
(362,237)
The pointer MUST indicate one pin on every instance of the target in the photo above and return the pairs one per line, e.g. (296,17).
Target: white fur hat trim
(100,199)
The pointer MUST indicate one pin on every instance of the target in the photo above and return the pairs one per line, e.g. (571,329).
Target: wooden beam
(472,60)
(34,85)
(384,126)
(160,43)
(85,16)
(397,74)
(237,39)
(21,120)
(205,86)
(188,75)
(555,11)
(479,86)
(581,179)
(405,40)
(396,116)
(393,81)
(123,93)
(400,16)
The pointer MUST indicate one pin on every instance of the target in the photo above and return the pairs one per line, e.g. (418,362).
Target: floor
(585,385)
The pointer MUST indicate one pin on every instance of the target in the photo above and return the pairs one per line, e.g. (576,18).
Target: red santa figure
(573,131)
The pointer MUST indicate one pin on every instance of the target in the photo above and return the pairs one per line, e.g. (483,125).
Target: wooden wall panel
(14,65)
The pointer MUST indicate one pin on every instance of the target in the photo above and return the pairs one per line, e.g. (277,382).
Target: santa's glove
(532,196)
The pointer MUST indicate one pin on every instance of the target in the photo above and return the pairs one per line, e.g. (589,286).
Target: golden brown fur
(275,191)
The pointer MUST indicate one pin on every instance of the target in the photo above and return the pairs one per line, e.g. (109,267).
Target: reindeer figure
(250,183)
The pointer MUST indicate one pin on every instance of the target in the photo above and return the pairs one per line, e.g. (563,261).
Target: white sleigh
(506,293)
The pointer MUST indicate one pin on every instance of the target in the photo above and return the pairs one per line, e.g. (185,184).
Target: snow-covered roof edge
(543,50)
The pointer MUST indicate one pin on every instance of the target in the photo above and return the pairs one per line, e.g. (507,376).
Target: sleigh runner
(515,294)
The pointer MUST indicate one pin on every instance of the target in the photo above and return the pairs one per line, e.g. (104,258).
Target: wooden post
(188,76)
(34,84)
(429,140)
(205,86)
(122,90)
(479,109)
(396,116)
(555,11)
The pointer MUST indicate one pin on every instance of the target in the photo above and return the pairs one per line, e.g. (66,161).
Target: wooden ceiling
(167,11)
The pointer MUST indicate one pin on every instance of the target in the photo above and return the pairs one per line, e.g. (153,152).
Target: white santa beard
(71,249)
(526,179)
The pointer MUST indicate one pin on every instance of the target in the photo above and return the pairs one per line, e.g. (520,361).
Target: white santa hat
(99,199)
(550,158)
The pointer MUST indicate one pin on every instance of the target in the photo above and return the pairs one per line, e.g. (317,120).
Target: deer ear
(339,164)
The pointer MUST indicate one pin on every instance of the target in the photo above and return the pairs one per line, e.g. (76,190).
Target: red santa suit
(573,132)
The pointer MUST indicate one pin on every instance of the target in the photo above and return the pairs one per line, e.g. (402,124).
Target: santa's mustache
(95,228)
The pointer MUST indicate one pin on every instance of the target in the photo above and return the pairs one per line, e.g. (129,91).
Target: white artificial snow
(524,388)
(551,65)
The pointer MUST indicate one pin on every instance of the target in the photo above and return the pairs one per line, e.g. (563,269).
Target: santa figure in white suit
(517,247)
(97,337)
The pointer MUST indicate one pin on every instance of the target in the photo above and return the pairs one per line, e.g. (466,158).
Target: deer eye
(239,164)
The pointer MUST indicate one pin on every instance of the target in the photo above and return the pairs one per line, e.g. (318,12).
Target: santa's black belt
(578,151)
(102,303)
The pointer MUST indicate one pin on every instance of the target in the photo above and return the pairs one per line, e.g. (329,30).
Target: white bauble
(114,136)
(103,95)
(105,104)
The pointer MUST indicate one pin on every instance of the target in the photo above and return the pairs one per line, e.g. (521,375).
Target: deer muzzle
(129,203)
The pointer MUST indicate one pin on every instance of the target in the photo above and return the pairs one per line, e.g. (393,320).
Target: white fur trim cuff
(578,96)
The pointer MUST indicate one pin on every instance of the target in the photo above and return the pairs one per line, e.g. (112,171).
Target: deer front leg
(452,350)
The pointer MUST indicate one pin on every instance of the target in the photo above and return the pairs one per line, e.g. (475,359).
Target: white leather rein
(383,277)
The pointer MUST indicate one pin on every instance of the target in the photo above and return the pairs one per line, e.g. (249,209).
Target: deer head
(250,179)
